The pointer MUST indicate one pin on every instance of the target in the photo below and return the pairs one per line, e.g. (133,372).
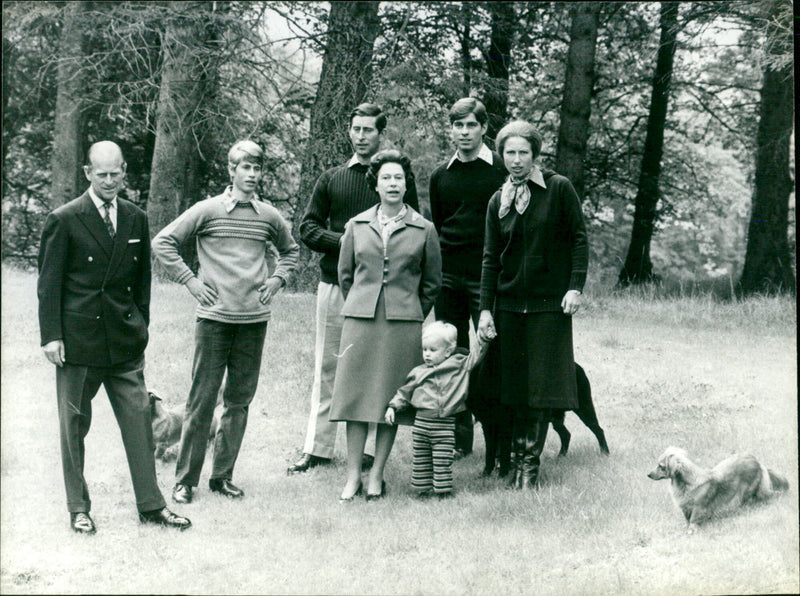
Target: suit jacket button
(97,317)
(91,259)
(128,316)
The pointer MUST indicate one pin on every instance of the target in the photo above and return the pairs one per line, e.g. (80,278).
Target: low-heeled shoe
(81,523)
(225,487)
(380,495)
(164,517)
(358,493)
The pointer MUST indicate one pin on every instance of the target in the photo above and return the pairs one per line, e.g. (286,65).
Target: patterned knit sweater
(232,250)
(340,193)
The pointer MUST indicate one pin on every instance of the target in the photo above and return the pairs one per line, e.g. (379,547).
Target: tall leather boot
(518,455)
(490,438)
(504,451)
(533,447)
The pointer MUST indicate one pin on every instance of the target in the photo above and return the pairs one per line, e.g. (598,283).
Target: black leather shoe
(225,487)
(81,523)
(380,495)
(164,517)
(307,462)
(182,494)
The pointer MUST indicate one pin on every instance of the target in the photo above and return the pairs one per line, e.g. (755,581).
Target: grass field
(712,377)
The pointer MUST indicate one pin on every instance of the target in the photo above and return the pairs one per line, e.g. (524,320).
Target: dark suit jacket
(94,292)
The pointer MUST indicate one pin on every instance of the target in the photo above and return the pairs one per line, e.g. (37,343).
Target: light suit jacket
(410,274)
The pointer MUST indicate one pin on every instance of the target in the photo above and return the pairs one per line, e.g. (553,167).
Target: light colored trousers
(321,433)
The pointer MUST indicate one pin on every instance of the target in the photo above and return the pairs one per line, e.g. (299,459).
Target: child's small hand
(389,416)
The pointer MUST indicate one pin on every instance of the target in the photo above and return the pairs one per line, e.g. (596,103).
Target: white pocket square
(134,240)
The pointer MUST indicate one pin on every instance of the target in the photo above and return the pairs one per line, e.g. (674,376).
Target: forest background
(674,120)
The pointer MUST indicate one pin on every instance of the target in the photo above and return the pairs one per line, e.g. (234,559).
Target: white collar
(484,153)
(230,202)
(537,177)
(98,202)
(353,161)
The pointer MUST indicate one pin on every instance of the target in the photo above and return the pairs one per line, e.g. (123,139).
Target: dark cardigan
(530,261)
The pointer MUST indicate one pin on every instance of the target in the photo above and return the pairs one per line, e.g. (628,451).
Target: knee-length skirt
(534,360)
(375,356)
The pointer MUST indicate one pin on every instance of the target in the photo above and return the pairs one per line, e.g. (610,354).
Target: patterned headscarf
(514,192)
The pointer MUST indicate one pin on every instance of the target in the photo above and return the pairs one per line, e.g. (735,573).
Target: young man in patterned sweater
(233,290)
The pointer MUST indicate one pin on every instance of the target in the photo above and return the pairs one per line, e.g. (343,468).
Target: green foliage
(264,65)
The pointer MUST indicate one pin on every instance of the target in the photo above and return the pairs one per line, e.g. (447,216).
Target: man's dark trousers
(76,385)
(457,304)
(219,346)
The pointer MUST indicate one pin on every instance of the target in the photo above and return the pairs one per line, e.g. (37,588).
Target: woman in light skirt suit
(390,274)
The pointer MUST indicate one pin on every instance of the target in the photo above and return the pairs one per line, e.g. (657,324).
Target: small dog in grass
(167,425)
(705,493)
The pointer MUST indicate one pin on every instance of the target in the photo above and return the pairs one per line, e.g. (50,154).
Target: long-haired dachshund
(702,493)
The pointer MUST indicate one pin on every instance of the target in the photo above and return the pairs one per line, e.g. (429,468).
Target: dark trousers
(76,385)
(219,346)
(457,303)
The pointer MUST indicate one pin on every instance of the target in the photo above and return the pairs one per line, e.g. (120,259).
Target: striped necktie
(107,219)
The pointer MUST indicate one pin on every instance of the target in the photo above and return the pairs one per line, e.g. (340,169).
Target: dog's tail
(779,483)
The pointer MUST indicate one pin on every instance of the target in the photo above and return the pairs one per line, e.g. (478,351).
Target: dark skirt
(375,356)
(534,360)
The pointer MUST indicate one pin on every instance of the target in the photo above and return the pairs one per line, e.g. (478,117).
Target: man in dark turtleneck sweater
(340,193)
(460,190)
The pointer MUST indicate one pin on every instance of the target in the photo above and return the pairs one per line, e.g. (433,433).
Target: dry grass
(712,377)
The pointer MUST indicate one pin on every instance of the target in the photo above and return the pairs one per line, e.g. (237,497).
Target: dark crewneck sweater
(459,196)
(340,193)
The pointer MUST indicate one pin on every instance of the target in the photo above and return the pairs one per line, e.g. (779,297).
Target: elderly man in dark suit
(94,306)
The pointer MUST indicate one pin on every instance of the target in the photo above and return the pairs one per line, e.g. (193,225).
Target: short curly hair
(523,129)
(384,157)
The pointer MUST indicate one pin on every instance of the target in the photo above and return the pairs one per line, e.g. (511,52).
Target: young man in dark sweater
(460,190)
(340,193)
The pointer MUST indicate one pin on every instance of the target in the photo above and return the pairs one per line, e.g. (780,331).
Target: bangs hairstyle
(388,156)
(245,151)
(466,106)
(372,111)
(447,332)
(523,129)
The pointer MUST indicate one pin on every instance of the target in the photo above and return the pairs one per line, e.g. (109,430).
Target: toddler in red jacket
(436,390)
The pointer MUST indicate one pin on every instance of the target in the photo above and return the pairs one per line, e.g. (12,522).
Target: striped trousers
(433,444)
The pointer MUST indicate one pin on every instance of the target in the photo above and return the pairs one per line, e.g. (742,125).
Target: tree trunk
(768,260)
(573,131)
(638,267)
(175,153)
(344,80)
(66,160)
(498,63)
